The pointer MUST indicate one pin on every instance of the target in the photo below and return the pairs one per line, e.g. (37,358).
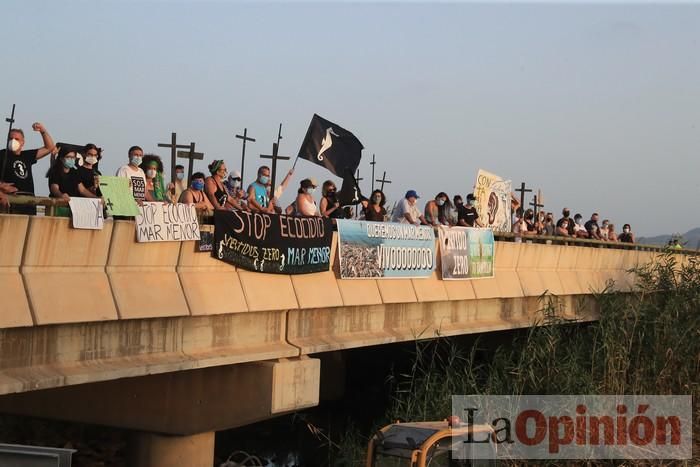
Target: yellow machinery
(431,444)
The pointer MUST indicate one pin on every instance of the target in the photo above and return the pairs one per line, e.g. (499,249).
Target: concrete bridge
(158,338)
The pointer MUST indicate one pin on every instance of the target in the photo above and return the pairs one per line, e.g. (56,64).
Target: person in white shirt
(137,179)
(305,204)
(406,212)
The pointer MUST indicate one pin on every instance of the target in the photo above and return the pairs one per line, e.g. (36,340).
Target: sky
(595,104)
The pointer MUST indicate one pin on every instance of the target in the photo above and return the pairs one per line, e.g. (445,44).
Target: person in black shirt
(626,236)
(374,207)
(468,216)
(566,219)
(16,163)
(64,181)
(89,173)
(592,227)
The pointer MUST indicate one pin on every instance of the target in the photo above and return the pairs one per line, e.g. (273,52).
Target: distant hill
(691,239)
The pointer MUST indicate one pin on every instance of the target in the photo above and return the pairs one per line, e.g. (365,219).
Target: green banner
(117,196)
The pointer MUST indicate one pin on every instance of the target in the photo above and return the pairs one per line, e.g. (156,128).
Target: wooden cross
(383,180)
(279,136)
(373,163)
(192,156)
(522,191)
(357,184)
(173,153)
(9,120)
(536,205)
(245,138)
(275,157)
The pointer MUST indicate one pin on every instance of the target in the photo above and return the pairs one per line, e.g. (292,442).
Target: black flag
(331,146)
(349,194)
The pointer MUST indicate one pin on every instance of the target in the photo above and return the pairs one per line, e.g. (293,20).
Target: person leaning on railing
(626,236)
(64,181)
(195,194)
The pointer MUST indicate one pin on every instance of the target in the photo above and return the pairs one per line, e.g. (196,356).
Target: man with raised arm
(17,163)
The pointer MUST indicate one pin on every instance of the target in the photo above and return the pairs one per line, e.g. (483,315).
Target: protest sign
(273,243)
(493,201)
(118,197)
(384,250)
(162,222)
(206,242)
(86,213)
(466,253)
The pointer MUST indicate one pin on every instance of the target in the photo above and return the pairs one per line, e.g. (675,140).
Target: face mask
(235,183)
(440,202)
(310,191)
(579,221)
(91,160)
(151,173)
(13,145)
(69,163)
(471,202)
(264,179)
(377,199)
(198,185)
(135,160)
(566,213)
(626,230)
(180,175)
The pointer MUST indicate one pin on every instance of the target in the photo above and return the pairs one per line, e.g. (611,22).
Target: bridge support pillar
(155,450)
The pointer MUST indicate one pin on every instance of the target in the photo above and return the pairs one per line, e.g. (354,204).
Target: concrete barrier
(64,272)
(268,291)
(143,276)
(15,307)
(210,286)
(507,259)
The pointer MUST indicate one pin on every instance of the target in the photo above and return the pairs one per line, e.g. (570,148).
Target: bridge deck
(83,306)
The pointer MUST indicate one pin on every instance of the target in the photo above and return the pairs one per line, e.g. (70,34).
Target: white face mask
(310,191)
(91,160)
(151,173)
(236,183)
(13,145)
(626,230)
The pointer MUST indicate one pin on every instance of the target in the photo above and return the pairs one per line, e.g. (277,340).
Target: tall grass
(645,342)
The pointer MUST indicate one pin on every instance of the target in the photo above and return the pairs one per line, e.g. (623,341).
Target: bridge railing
(50,205)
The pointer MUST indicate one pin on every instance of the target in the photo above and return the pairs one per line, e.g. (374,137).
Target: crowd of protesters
(74,172)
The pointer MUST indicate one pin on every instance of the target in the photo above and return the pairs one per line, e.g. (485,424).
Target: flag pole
(295,162)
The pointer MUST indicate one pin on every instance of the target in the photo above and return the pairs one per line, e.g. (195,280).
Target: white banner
(493,201)
(160,222)
(87,213)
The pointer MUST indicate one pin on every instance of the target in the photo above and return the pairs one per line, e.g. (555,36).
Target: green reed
(644,342)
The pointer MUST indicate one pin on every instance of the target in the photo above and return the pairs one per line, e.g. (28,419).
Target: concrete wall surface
(82,306)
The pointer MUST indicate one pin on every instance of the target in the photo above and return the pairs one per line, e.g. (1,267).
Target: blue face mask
(69,163)
(180,175)
(264,179)
(198,185)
